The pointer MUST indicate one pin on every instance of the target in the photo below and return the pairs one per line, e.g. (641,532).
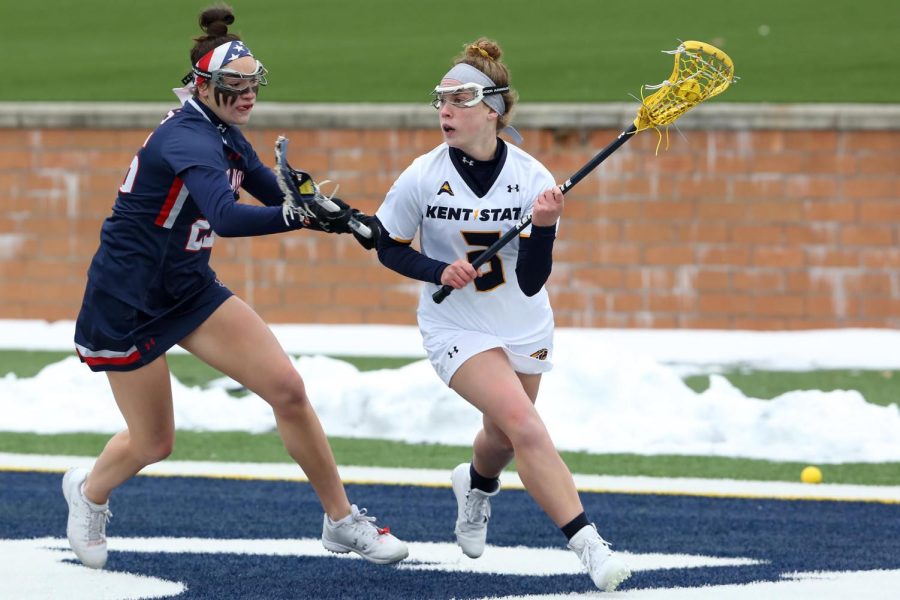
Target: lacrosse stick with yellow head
(701,71)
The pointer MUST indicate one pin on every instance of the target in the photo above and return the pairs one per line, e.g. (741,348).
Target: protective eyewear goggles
(230,80)
(465,95)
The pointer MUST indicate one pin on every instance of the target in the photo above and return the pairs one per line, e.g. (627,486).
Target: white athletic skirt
(448,349)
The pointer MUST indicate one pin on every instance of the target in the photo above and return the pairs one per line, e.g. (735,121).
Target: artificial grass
(392,51)
(877,387)
(235,446)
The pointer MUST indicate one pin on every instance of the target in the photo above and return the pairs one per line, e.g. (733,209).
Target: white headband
(466,73)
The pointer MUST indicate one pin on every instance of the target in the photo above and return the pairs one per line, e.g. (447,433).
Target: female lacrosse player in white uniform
(491,339)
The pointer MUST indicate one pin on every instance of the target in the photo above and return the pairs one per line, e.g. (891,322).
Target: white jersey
(431,198)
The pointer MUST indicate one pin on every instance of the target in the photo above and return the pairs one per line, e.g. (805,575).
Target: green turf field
(267,447)
(395,50)
(246,447)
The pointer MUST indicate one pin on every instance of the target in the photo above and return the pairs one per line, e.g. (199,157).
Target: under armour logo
(510,188)
(468,161)
(452,352)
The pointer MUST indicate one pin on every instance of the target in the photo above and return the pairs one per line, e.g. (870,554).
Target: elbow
(224,224)
(531,282)
(529,285)
(529,290)
(382,254)
(226,232)
(389,252)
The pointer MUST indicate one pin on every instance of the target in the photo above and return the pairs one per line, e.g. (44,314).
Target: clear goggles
(229,80)
(465,95)
(235,82)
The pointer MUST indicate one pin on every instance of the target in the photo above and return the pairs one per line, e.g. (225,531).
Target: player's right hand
(458,274)
(548,207)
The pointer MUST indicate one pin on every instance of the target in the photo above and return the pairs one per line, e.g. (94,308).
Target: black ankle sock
(488,485)
(575,525)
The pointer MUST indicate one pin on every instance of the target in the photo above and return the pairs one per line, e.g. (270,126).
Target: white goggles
(465,95)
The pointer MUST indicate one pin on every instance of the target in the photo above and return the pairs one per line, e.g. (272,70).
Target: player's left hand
(332,222)
(548,208)
(374,226)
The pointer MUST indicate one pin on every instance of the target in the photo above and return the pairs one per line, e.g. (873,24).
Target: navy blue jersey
(179,193)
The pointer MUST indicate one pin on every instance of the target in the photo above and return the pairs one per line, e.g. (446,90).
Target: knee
(525,429)
(156,449)
(288,395)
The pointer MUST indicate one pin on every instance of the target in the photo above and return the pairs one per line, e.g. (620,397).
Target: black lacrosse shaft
(494,248)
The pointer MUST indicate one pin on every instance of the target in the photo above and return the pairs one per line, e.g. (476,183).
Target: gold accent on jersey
(446,189)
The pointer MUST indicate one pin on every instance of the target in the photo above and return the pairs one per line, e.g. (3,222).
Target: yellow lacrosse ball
(688,90)
(811,475)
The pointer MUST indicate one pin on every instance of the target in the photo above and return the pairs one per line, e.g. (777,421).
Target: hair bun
(215,21)
(484,48)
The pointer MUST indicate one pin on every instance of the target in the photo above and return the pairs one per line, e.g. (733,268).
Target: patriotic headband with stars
(215,59)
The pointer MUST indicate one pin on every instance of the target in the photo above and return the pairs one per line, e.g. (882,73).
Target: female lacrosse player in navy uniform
(493,337)
(150,287)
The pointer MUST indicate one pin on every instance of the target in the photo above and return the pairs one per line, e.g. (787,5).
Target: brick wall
(732,228)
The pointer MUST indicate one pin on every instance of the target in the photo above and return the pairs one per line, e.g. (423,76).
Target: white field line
(40,568)
(441,478)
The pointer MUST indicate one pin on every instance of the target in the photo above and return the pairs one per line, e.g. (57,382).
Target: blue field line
(784,536)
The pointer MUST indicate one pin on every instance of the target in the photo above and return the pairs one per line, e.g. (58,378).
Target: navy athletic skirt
(112,335)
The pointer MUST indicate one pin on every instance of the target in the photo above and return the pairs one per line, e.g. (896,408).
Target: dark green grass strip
(397,50)
(267,447)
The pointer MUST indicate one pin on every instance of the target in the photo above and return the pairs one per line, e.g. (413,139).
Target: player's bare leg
(492,451)
(144,397)
(488,382)
(236,341)
(475,485)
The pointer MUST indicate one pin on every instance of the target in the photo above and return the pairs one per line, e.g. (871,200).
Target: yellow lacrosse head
(701,71)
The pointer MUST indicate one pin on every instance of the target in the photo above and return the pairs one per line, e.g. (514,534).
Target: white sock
(94,507)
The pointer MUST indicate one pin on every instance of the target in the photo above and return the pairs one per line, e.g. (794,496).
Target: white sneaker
(473,511)
(605,568)
(86,528)
(357,533)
